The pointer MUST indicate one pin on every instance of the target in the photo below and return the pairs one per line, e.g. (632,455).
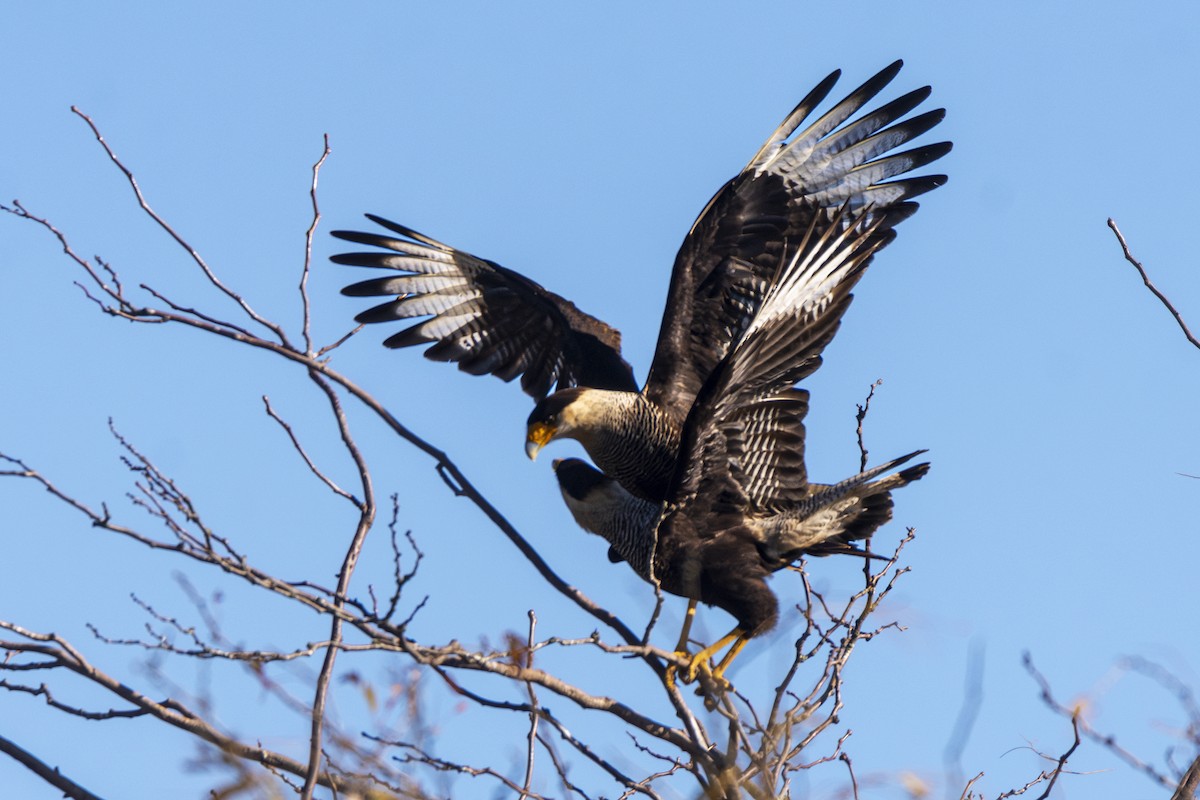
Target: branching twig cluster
(734,749)
(732,744)
(1181,776)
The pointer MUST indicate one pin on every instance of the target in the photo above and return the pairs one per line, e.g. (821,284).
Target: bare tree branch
(306,324)
(50,775)
(861,417)
(749,752)
(61,654)
(191,251)
(1189,785)
(1109,741)
(1149,285)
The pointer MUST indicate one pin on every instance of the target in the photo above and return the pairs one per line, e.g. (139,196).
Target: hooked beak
(538,435)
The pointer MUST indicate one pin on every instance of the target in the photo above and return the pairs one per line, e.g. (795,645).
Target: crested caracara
(740,506)
(810,178)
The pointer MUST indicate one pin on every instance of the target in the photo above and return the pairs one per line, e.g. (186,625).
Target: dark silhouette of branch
(1150,285)
(49,774)
(861,417)
(1052,776)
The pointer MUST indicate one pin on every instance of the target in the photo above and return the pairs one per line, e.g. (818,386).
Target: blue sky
(576,143)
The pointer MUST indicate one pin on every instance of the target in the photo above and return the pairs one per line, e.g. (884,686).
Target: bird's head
(594,499)
(578,479)
(555,417)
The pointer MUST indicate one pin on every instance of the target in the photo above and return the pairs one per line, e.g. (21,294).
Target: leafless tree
(718,743)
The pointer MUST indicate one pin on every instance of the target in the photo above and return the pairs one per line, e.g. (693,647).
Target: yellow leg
(719,672)
(736,635)
(687,628)
(681,648)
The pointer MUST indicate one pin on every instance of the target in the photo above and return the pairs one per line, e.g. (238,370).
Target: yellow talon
(701,659)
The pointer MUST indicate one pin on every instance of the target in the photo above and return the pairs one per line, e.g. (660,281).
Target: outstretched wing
(743,445)
(795,183)
(487,318)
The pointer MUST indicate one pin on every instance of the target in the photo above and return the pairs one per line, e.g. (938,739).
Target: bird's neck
(632,440)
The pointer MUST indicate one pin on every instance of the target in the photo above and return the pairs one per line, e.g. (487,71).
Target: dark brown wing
(743,444)
(487,318)
(796,181)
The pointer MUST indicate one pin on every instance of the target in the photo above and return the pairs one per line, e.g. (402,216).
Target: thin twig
(1062,760)
(306,325)
(1108,742)
(533,704)
(365,521)
(313,468)
(63,655)
(191,251)
(859,418)
(1149,285)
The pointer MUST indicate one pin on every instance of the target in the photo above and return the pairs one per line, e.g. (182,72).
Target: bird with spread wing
(806,180)
(741,506)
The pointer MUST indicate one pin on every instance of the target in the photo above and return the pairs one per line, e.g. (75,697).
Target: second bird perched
(703,485)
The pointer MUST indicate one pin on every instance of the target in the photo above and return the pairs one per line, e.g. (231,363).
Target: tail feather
(827,521)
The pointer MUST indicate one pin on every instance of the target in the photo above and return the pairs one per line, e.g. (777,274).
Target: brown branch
(1107,741)
(768,749)
(366,519)
(545,714)
(399,578)
(845,759)
(299,448)
(1150,285)
(306,324)
(444,465)
(191,251)
(1062,760)
(1189,784)
(416,755)
(966,792)
(63,655)
(456,657)
(339,342)
(533,704)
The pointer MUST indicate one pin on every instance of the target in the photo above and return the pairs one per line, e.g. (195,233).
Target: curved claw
(701,659)
(673,669)
(694,664)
